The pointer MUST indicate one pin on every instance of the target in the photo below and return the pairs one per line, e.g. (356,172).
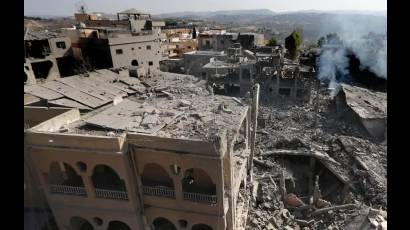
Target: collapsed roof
(40,35)
(364,102)
(166,105)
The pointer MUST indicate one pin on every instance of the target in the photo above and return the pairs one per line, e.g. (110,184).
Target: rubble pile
(292,134)
(269,211)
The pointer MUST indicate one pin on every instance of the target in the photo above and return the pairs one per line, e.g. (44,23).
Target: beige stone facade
(99,179)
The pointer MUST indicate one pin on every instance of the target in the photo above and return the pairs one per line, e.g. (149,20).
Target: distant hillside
(212,15)
(313,23)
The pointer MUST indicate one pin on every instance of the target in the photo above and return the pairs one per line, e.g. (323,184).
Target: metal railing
(200,198)
(67,190)
(158,191)
(111,194)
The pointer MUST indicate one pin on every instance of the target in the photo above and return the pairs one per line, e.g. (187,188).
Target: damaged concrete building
(195,60)
(145,161)
(135,40)
(292,81)
(126,146)
(219,40)
(45,53)
(364,106)
(234,70)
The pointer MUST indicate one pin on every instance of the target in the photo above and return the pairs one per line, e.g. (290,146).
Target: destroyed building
(45,53)
(232,75)
(219,40)
(292,81)
(134,163)
(195,60)
(104,150)
(365,106)
(233,71)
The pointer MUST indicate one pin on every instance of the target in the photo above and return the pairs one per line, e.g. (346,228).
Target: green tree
(292,44)
(321,41)
(193,32)
(272,42)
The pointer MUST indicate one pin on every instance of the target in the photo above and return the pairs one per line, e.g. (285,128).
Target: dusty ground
(315,126)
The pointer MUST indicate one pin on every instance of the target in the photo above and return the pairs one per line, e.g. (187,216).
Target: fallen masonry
(317,170)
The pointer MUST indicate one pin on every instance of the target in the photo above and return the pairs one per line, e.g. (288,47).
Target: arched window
(134,62)
(65,180)
(161,223)
(156,181)
(78,223)
(118,225)
(108,184)
(197,186)
(201,227)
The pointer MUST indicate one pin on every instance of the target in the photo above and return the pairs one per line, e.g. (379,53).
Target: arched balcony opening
(65,180)
(108,184)
(118,225)
(161,223)
(156,181)
(78,223)
(198,186)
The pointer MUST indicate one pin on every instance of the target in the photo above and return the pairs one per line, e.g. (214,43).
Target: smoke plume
(368,44)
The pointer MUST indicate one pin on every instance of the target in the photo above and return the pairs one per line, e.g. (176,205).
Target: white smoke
(367,42)
(371,51)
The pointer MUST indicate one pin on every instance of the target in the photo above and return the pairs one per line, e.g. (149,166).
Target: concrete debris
(224,108)
(325,175)
(184,103)
(291,200)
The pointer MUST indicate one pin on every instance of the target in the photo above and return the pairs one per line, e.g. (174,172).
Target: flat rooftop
(220,64)
(171,106)
(206,53)
(40,35)
(86,92)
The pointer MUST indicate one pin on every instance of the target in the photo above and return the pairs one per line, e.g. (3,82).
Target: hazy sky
(67,7)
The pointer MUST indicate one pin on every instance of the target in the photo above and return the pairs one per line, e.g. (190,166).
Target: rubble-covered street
(292,192)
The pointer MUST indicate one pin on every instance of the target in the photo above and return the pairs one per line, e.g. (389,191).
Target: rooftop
(134,11)
(206,53)
(170,106)
(364,102)
(220,64)
(40,35)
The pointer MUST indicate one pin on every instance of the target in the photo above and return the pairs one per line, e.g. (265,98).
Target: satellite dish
(81,7)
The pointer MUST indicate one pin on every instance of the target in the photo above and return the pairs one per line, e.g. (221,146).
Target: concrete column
(240,81)
(230,216)
(178,187)
(295,86)
(278,81)
(311,174)
(255,107)
(220,188)
(89,187)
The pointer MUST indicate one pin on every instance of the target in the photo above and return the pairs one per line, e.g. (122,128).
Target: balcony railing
(200,198)
(67,190)
(158,191)
(111,194)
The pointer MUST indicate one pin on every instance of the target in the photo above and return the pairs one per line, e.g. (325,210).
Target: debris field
(315,170)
